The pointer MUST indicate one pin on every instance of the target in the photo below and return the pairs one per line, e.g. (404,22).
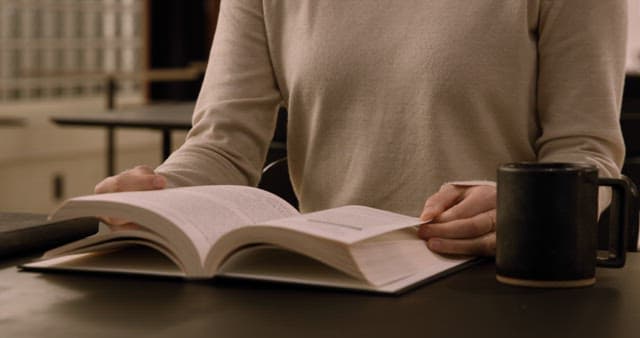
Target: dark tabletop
(158,116)
(12,121)
(468,304)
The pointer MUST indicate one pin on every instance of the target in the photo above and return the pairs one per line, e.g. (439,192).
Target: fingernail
(434,244)
(427,214)
(158,181)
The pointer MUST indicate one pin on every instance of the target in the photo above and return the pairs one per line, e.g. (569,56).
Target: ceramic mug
(547,224)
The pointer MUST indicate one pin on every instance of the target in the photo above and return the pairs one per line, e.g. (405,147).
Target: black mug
(547,224)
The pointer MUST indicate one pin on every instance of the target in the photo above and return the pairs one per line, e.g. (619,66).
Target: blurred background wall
(58,57)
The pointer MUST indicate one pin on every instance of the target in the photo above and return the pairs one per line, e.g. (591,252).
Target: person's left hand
(463,220)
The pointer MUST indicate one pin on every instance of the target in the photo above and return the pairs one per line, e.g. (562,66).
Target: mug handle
(617,245)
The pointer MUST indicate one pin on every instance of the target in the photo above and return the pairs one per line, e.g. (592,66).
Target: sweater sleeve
(581,48)
(235,114)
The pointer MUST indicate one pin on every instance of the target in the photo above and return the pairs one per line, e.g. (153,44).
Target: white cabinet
(34,156)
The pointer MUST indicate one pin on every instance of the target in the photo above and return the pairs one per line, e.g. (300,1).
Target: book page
(138,260)
(202,213)
(264,262)
(270,263)
(348,224)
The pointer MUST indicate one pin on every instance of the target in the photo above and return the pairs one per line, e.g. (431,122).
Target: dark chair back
(275,179)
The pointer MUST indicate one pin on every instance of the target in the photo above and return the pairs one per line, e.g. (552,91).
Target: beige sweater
(389,99)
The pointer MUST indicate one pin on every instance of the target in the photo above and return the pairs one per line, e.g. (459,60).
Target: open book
(235,231)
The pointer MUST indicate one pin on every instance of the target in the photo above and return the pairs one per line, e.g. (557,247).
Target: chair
(275,179)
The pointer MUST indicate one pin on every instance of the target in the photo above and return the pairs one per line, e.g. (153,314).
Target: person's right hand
(141,177)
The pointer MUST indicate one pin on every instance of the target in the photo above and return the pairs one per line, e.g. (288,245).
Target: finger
(475,201)
(123,181)
(130,182)
(472,227)
(481,246)
(113,222)
(441,201)
(119,223)
(125,226)
(141,169)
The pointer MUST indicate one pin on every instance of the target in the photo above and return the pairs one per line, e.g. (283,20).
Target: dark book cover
(22,233)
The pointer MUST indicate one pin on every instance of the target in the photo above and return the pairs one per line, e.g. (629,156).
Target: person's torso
(388,100)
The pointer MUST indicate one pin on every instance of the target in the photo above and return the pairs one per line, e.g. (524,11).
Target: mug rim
(548,166)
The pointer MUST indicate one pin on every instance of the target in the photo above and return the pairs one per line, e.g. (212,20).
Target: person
(389,101)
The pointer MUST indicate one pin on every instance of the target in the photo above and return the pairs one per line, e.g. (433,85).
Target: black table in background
(162,117)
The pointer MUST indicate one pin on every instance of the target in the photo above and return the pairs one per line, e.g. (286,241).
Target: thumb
(435,205)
